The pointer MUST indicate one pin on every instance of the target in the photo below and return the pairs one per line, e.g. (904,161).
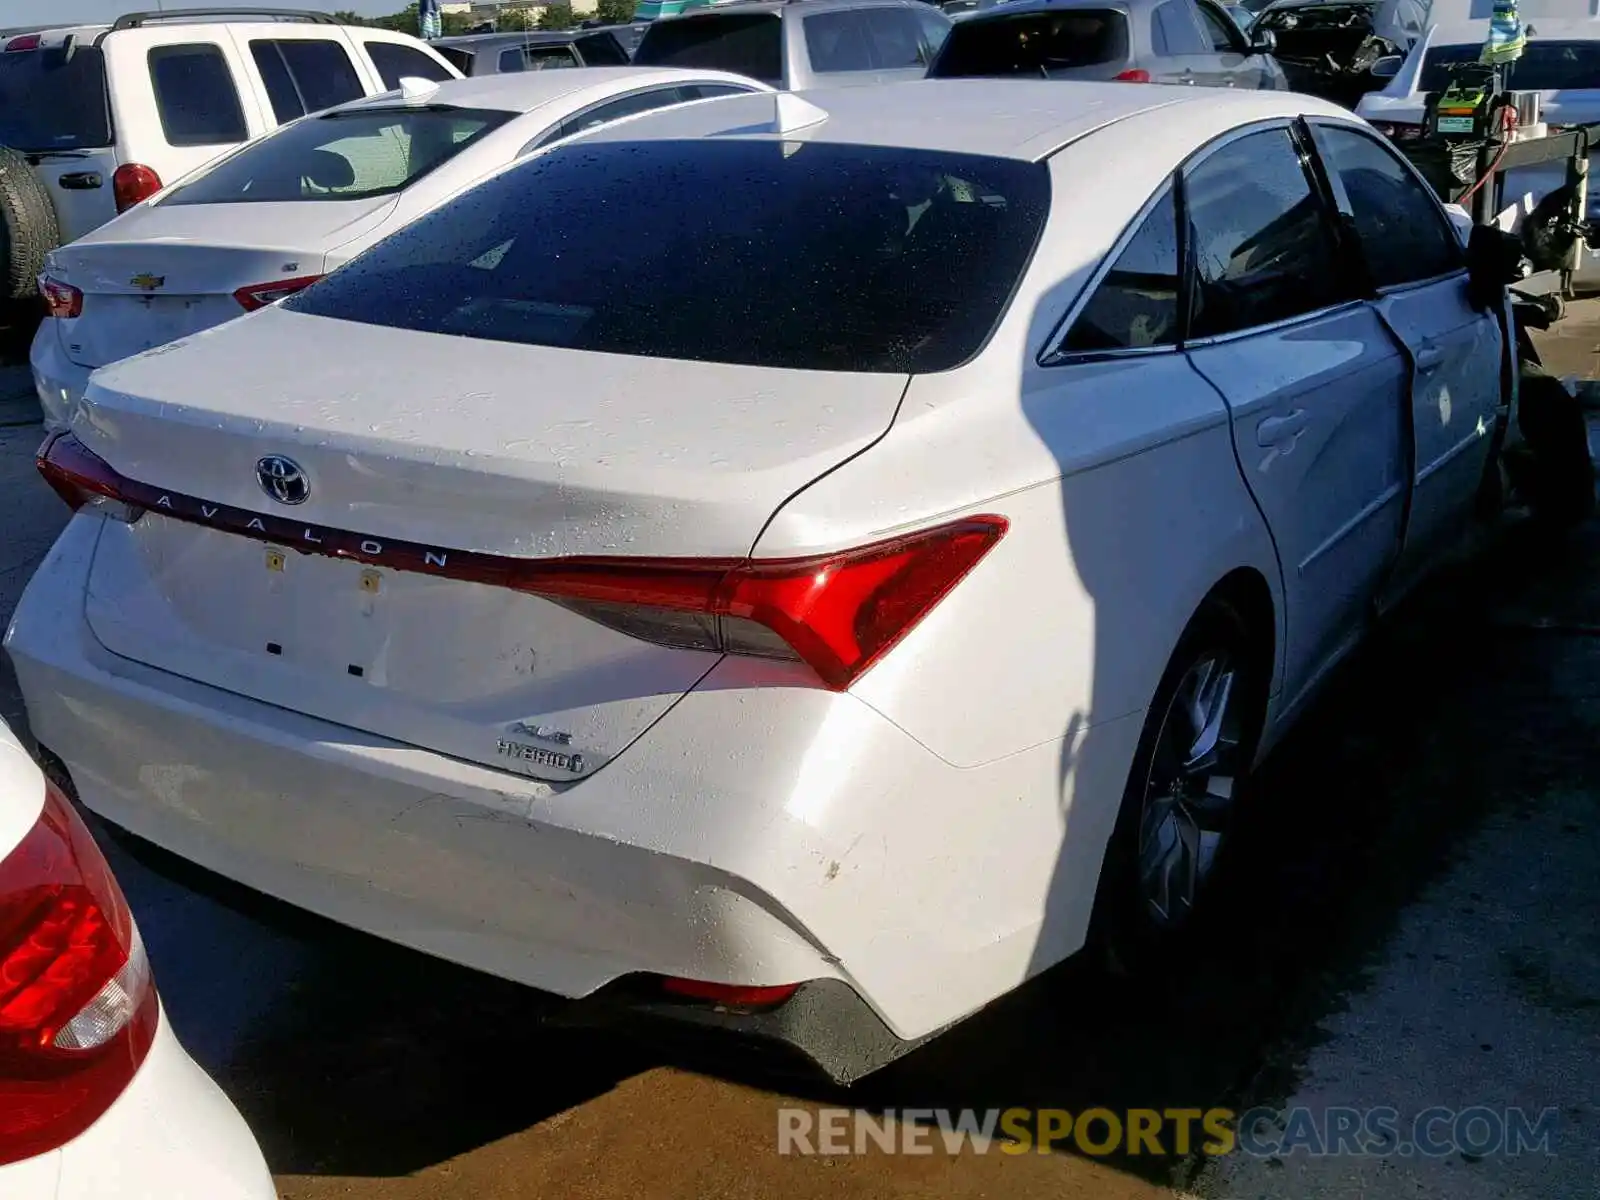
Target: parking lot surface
(1409,923)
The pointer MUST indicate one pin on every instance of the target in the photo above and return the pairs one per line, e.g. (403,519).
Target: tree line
(556,15)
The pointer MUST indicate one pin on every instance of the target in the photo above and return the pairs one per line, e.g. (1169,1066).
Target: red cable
(1508,120)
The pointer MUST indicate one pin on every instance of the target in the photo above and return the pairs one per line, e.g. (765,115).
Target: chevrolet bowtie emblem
(148,283)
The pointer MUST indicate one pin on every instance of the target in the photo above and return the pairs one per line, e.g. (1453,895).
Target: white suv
(106,115)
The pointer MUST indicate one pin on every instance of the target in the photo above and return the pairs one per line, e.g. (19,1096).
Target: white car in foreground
(786,563)
(1561,63)
(277,214)
(97,1099)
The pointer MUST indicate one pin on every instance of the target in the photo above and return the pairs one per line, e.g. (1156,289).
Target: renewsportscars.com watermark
(1478,1132)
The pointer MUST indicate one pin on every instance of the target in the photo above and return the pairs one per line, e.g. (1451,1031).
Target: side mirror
(1386,67)
(1263,41)
(1494,262)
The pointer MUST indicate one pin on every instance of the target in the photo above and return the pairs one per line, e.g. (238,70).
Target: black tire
(28,227)
(1127,934)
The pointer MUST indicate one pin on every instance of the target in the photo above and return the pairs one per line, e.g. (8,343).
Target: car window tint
(352,155)
(1262,248)
(537,58)
(744,43)
(1404,235)
(835,257)
(196,97)
(1545,65)
(1173,30)
(895,37)
(705,91)
(935,28)
(1224,39)
(615,110)
(50,100)
(1136,305)
(396,62)
(458,58)
(1029,44)
(305,75)
(602,50)
(838,41)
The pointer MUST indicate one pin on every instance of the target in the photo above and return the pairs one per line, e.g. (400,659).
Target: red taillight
(1137,75)
(259,295)
(60,299)
(78,1007)
(82,478)
(731,994)
(839,613)
(28,41)
(134,184)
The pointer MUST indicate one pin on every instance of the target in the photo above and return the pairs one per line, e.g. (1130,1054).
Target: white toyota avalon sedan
(801,563)
(97,1098)
(277,214)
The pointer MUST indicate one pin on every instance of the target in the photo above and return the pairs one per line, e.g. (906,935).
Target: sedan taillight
(260,295)
(1136,75)
(61,300)
(78,1007)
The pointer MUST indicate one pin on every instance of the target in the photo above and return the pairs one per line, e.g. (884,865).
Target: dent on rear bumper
(58,381)
(758,834)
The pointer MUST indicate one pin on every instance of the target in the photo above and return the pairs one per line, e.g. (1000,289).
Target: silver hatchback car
(1139,41)
(801,43)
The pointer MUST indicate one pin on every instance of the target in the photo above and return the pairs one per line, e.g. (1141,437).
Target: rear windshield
(744,43)
(1033,44)
(49,101)
(350,155)
(1544,66)
(834,257)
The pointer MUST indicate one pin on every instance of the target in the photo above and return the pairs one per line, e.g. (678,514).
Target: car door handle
(1274,431)
(81,181)
(1429,357)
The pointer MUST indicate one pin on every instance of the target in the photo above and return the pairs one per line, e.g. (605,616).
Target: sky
(17,13)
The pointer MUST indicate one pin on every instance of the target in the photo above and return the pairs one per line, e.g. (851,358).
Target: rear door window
(396,62)
(1174,30)
(896,38)
(1261,239)
(624,106)
(1030,43)
(51,102)
(744,43)
(196,97)
(1223,33)
(602,50)
(935,28)
(838,41)
(305,75)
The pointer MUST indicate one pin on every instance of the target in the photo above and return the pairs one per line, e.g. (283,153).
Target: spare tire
(28,227)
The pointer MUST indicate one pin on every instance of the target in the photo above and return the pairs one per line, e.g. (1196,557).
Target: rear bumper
(59,381)
(756,835)
(172,1135)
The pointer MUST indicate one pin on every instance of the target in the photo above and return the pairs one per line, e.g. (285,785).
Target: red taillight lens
(78,1007)
(60,299)
(839,613)
(134,184)
(1137,75)
(82,478)
(731,994)
(259,295)
(28,41)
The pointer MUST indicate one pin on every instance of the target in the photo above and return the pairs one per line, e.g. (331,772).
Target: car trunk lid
(161,273)
(413,444)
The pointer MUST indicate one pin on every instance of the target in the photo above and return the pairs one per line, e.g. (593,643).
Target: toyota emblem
(282,479)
